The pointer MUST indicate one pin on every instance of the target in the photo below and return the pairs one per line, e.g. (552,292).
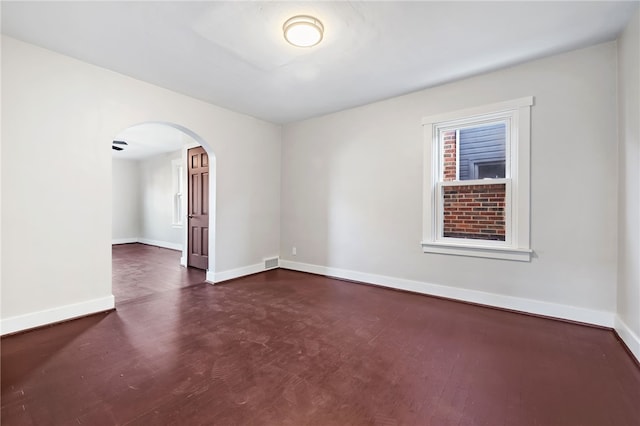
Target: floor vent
(271,263)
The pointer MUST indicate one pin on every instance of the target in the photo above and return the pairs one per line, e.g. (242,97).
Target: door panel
(205,242)
(205,193)
(198,244)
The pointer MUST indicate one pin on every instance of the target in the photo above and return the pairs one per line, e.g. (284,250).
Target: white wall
(352,191)
(142,201)
(628,308)
(59,116)
(125,201)
(156,198)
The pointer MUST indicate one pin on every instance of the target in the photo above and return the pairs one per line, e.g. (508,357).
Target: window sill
(505,253)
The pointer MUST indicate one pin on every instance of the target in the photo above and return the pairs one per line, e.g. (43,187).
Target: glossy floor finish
(288,348)
(141,270)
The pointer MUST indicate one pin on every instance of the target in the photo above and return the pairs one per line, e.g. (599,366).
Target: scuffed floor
(288,348)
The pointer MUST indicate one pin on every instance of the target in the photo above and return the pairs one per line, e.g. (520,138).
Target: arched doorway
(153,182)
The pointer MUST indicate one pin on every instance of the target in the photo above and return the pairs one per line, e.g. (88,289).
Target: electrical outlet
(294,251)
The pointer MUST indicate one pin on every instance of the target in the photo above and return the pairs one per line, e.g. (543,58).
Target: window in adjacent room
(476,186)
(177,170)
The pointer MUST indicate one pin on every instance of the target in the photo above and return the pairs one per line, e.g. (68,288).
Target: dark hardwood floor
(142,270)
(288,348)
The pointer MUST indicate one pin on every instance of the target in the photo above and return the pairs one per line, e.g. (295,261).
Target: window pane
(474,211)
(482,148)
(489,170)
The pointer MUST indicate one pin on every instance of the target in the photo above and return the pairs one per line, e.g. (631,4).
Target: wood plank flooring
(288,348)
(141,270)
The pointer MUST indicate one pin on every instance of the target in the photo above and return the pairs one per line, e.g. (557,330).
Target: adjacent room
(149,212)
(320,213)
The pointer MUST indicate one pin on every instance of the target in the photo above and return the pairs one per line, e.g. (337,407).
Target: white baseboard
(218,277)
(567,312)
(163,244)
(50,316)
(628,336)
(157,243)
(124,241)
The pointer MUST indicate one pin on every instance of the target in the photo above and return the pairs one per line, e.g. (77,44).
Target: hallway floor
(142,270)
(289,348)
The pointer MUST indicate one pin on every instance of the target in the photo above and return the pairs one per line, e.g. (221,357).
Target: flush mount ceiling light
(303,31)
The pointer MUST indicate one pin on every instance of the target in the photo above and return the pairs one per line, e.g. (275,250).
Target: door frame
(196,197)
(212,208)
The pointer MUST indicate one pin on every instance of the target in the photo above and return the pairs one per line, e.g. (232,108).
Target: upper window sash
(438,129)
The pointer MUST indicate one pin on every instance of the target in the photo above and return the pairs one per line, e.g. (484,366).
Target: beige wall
(628,303)
(352,190)
(156,199)
(142,201)
(125,200)
(58,118)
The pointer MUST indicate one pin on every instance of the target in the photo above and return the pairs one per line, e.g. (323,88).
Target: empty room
(320,213)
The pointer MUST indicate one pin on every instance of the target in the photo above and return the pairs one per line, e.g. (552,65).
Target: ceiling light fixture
(303,31)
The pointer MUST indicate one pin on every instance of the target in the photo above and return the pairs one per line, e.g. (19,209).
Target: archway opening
(161,174)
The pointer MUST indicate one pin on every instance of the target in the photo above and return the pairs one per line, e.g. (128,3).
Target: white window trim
(178,191)
(517,213)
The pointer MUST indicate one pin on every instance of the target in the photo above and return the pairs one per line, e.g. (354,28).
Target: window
(177,170)
(489,170)
(476,185)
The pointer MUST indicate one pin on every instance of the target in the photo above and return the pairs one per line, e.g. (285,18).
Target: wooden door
(198,208)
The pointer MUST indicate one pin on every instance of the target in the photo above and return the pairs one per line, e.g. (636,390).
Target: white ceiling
(149,139)
(233,54)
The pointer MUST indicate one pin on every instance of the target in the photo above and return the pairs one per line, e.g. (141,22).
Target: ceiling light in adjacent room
(303,31)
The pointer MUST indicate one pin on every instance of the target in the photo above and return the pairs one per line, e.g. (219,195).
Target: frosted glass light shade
(303,31)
